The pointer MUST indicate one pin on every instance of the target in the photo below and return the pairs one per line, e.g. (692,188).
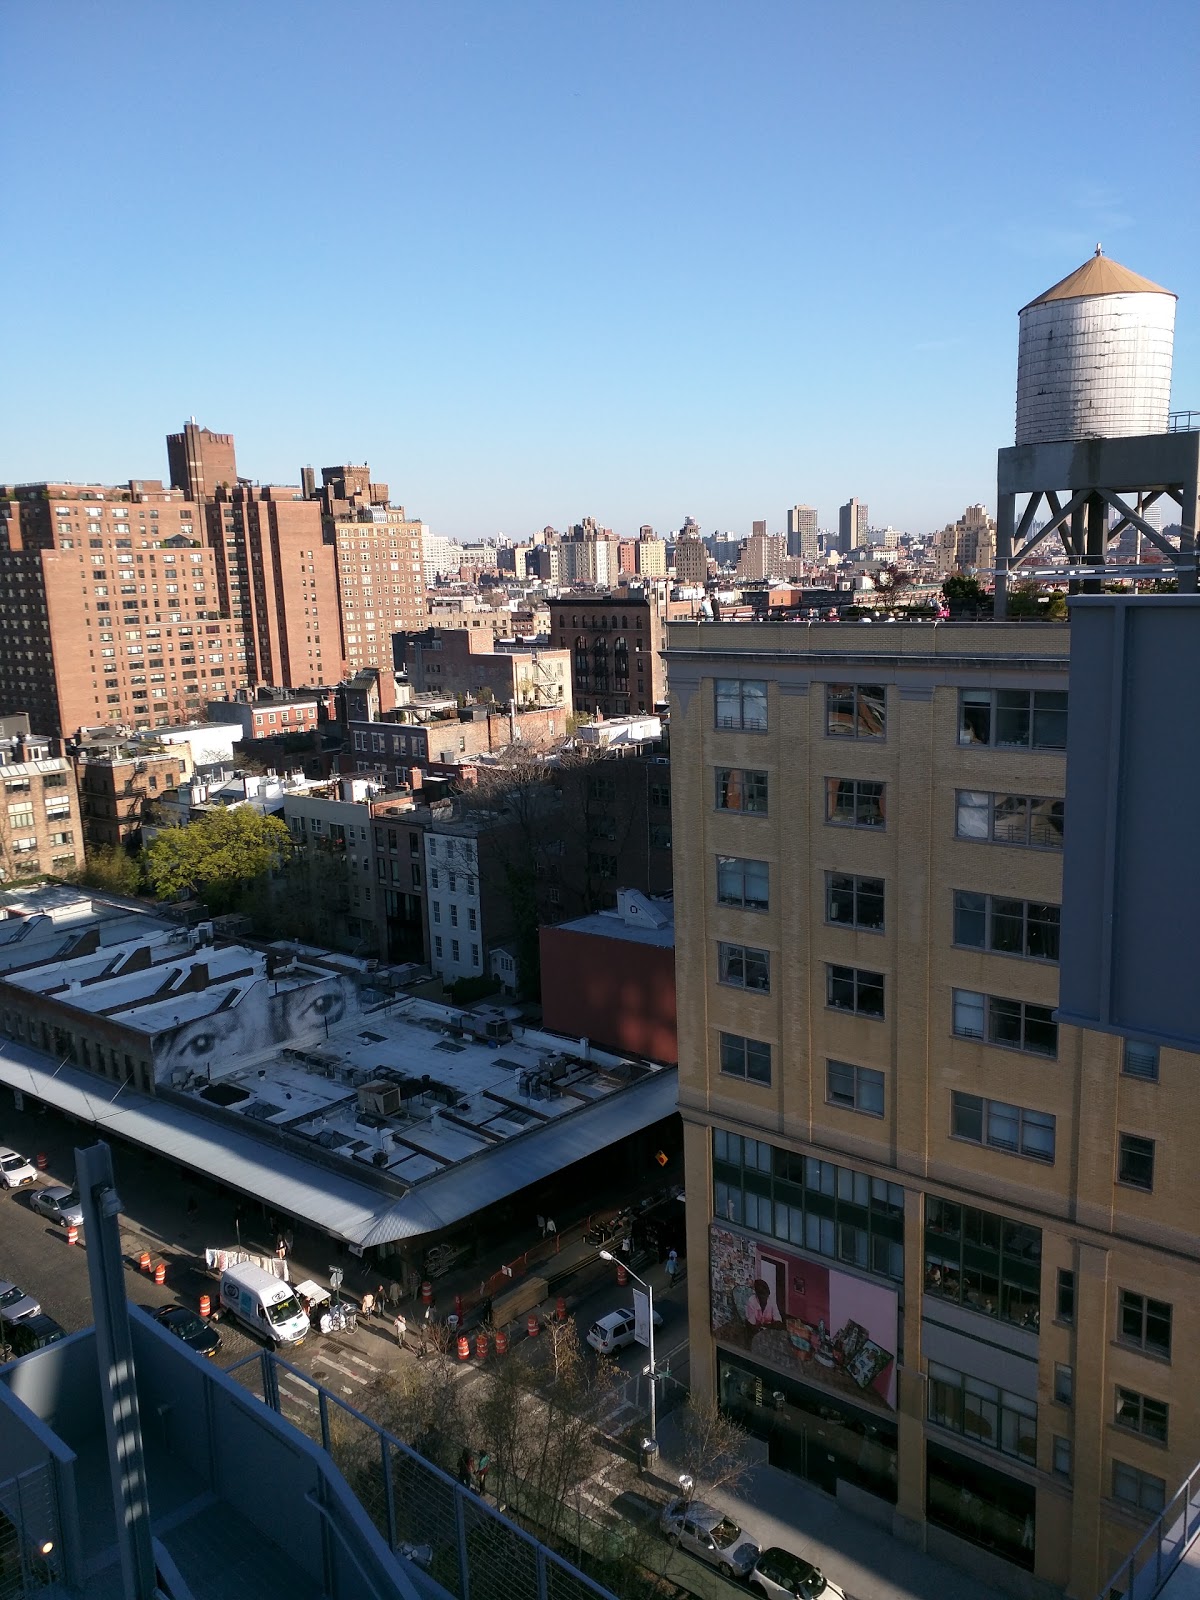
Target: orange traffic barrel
(160,1272)
(501,1343)
(560,1308)
(144,1261)
(531,1327)
(72,1234)
(481,1344)
(41,1161)
(205,1305)
(464,1347)
(427,1293)
(622,1275)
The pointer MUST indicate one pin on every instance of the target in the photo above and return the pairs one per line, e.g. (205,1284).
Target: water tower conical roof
(1098,275)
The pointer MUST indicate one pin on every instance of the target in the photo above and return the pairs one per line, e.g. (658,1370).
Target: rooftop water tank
(1094,356)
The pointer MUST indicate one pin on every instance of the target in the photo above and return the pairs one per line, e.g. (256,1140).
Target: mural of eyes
(200,1044)
(305,1010)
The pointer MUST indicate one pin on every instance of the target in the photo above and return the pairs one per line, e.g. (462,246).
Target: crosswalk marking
(361,1361)
(346,1372)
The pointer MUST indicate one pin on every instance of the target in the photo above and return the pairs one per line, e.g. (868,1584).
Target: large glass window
(1019,819)
(855,901)
(1008,927)
(1145,1322)
(854,803)
(743,883)
(982,1260)
(983,1412)
(745,1058)
(1003,1126)
(981,1504)
(741,790)
(744,967)
(1013,1024)
(854,989)
(856,1088)
(856,710)
(1013,719)
(825,1209)
(741,703)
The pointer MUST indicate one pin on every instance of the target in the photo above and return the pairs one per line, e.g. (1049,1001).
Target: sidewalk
(777,1508)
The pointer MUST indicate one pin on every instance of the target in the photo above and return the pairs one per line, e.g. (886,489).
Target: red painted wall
(616,992)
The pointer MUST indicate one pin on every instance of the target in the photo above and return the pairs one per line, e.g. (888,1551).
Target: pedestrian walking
(281,1248)
(464,1471)
(423,1348)
(368,1305)
(401,1330)
(672,1264)
(381,1300)
(481,1472)
(288,1239)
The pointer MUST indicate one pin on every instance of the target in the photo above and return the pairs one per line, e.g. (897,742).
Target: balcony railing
(1145,1571)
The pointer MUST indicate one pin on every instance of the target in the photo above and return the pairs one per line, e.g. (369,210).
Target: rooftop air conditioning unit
(379,1098)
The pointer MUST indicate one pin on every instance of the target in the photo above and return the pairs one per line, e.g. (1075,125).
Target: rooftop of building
(314,1083)
(773,641)
(638,919)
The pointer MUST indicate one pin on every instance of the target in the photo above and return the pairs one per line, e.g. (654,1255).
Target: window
(1003,1126)
(454,916)
(983,1412)
(741,703)
(434,882)
(454,949)
(1138,1488)
(1139,1060)
(1013,719)
(856,1088)
(744,967)
(1135,1161)
(743,883)
(1064,1384)
(853,989)
(1064,1304)
(828,1210)
(1141,1414)
(437,945)
(739,790)
(437,910)
(472,918)
(1013,1024)
(1008,927)
(1061,1456)
(745,1058)
(855,901)
(854,803)
(856,710)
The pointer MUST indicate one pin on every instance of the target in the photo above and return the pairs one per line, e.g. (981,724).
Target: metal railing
(30,1542)
(465,1544)
(1146,1569)
(1183,422)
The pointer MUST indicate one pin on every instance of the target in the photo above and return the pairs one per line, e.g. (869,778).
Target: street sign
(641,1316)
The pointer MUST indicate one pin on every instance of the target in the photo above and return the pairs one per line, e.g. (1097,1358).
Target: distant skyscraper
(852,526)
(802,532)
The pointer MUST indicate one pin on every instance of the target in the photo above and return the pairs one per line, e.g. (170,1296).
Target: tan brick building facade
(942,1250)
(40,829)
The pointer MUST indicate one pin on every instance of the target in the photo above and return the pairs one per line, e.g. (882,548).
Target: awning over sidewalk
(338,1205)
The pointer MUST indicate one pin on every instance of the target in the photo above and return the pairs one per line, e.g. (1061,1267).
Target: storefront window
(812,1434)
(983,1261)
(981,1411)
(980,1504)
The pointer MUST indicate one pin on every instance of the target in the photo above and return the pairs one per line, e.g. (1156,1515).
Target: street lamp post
(607,1255)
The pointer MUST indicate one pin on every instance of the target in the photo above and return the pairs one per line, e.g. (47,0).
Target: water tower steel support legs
(1006,511)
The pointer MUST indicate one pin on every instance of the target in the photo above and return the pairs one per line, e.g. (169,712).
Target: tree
(964,593)
(112,868)
(1030,601)
(716,1450)
(217,854)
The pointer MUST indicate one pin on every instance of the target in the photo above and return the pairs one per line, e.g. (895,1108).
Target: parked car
(15,1170)
(615,1331)
(779,1572)
(193,1330)
(33,1333)
(709,1534)
(60,1204)
(15,1303)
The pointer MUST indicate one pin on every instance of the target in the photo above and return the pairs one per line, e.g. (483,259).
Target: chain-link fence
(422,1513)
(29,1533)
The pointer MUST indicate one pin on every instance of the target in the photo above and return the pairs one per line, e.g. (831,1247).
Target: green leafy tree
(1030,601)
(112,868)
(217,854)
(965,592)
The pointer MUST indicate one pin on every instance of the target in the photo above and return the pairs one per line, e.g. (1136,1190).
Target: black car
(32,1333)
(186,1325)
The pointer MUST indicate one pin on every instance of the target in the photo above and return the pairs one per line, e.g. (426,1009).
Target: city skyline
(591,262)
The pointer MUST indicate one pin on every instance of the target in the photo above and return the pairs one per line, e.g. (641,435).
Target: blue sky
(541,261)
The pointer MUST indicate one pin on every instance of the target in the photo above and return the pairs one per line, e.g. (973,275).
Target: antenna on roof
(1099,249)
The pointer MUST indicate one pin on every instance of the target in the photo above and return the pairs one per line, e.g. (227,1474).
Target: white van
(264,1304)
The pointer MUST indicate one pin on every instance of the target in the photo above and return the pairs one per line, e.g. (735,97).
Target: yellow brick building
(943,1250)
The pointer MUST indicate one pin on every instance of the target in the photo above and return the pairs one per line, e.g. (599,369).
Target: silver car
(709,1534)
(60,1204)
(15,1303)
